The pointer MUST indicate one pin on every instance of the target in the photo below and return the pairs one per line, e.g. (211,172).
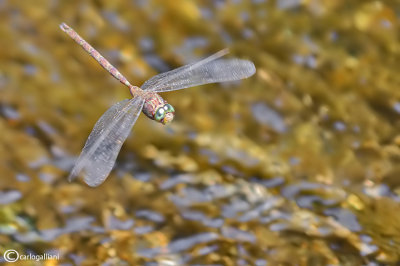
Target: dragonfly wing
(104,142)
(209,70)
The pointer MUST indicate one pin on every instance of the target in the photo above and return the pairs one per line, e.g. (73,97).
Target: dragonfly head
(165,114)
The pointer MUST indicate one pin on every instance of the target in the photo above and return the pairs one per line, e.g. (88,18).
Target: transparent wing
(208,70)
(104,142)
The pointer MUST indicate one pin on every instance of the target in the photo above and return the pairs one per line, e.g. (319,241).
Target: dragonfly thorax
(156,108)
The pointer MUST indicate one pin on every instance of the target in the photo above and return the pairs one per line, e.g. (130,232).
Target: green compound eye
(160,113)
(168,108)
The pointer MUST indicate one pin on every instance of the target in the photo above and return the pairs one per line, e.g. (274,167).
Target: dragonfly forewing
(209,70)
(104,142)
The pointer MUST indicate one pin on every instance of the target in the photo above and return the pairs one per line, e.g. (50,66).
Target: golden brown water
(297,165)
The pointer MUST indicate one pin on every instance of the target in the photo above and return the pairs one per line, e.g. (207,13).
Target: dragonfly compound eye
(169,114)
(160,113)
(169,108)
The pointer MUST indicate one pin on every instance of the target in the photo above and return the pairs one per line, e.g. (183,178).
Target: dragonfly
(101,149)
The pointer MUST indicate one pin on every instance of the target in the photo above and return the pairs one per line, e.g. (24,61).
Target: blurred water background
(297,165)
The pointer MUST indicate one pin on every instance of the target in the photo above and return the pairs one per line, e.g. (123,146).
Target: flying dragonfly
(101,149)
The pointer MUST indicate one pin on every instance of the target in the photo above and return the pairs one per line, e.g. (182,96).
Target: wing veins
(86,156)
(183,69)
